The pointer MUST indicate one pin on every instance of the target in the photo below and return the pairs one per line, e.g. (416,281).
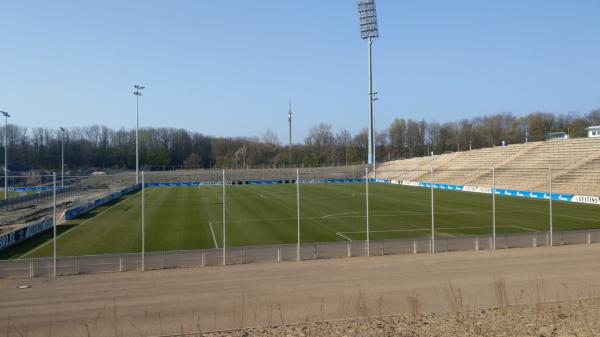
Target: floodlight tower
(290,127)
(6,115)
(369,31)
(137,93)
(62,157)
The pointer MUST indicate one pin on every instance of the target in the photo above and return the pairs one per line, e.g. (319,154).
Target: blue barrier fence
(257,182)
(503,191)
(12,238)
(78,210)
(34,188)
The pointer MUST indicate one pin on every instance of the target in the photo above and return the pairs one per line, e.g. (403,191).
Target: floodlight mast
(137,94)
(6,115)
(369,31)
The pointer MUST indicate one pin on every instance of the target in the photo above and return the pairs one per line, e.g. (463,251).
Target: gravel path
(263,294)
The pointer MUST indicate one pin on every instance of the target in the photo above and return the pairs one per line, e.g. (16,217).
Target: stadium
(464,203)
(214,217)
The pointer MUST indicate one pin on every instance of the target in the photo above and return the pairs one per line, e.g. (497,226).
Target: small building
(593,131)
(557,135)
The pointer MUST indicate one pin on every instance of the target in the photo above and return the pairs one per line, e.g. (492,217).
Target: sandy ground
(572,318)
(171,301)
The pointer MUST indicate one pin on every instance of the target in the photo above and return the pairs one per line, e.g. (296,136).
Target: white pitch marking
(345,237)
(523,228)
(395,213)
(335,215)
(213,235)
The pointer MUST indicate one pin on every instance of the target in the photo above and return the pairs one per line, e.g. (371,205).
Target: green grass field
(191,217)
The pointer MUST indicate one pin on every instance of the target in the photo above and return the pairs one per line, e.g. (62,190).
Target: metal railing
(90,264)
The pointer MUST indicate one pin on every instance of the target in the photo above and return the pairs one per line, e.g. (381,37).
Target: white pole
(137,118)
(550,201)
(298,211)
(367,212)
(54,220)
(290,124)
(432,216)
(5,156)
(62,160)
(224,223)
(371,154)
(143,226)
(493,208)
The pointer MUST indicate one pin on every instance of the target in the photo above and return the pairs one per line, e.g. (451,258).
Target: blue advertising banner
(507,192)
(21,234)
(34,188)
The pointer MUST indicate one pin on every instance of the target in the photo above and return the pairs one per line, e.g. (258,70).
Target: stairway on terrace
(415,169)
(474,163)
(585,180)
(530,171)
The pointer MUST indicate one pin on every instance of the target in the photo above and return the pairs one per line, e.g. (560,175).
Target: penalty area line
(520,227)
(213,234)
(345,237)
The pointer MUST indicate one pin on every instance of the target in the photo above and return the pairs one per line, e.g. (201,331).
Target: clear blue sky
(227,68)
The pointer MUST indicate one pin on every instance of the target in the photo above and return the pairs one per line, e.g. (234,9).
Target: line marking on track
(70,230)
(213,235)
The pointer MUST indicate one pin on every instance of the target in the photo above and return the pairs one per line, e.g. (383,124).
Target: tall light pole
(369,31)
(62,157)
(137,93)
(290,125)
(6,115)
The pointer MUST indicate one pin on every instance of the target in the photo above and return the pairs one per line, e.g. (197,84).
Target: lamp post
(137,93)
(62,157)
(6,115)
(369,31)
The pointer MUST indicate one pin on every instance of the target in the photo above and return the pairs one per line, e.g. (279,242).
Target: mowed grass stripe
(178,217)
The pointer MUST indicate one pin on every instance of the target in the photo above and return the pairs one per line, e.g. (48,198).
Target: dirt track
(169,301)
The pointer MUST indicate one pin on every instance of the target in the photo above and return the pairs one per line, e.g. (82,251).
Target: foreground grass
(187,217)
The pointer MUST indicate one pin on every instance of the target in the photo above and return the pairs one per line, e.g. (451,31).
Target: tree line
(99,147)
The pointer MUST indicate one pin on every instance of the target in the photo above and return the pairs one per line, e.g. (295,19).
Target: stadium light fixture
(62,157)
(137,93)
(6,115)
(369,31)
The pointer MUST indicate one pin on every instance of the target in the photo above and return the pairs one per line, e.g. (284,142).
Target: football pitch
(179,218)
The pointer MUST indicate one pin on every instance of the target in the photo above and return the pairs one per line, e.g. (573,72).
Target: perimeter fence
(170,219)
(71,265)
